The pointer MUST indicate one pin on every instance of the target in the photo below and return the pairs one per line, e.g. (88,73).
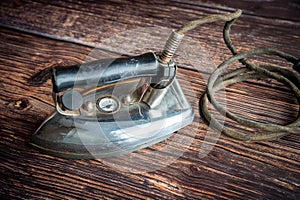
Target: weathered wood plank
(90,23)
(263,8)
(233,169)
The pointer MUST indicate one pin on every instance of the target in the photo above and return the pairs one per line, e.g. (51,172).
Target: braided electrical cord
(176,37)
(218,80)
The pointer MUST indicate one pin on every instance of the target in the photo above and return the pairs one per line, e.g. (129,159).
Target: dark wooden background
(36,35)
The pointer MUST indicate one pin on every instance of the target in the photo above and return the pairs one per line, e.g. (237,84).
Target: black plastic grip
(105,71)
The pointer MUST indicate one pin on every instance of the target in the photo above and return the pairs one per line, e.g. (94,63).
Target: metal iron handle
(101,72)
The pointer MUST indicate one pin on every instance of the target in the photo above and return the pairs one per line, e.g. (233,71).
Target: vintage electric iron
(110,107)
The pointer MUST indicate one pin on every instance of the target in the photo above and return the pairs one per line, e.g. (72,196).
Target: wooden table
(36,35)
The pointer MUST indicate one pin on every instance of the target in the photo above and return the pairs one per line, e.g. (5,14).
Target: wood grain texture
(90,23)
(232,170)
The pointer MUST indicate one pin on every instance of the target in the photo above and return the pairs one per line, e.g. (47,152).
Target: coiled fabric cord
(218,80)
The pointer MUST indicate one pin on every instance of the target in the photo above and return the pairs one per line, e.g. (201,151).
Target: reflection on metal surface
(103,135)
